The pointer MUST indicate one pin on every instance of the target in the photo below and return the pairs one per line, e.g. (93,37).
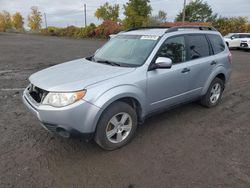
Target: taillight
(230,58)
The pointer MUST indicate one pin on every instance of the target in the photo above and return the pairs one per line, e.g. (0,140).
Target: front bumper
(245,45)
(76,119)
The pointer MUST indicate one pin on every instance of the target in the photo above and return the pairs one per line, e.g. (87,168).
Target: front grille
(37,93)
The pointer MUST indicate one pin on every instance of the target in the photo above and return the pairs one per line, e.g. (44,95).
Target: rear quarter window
(217,43)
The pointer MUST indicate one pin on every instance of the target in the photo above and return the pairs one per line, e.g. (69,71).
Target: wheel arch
(221,76)
(220,72)
(136,98)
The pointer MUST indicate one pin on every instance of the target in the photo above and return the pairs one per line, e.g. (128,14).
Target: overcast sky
(70,12)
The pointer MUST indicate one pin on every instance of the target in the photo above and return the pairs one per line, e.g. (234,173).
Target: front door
(167,87)
(235,41)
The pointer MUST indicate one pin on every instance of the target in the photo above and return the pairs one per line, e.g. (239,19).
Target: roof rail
(177,28)
(149,27)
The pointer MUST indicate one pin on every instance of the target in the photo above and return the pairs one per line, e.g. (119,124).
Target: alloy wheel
(215,93)
(119,127)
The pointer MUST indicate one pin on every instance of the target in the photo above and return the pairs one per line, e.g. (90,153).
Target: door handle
(213,63)
(185,70)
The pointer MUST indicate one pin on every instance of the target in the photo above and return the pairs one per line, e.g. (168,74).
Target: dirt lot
(190,146)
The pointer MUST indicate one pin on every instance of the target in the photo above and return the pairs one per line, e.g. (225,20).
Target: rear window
(217,43)
(198,46)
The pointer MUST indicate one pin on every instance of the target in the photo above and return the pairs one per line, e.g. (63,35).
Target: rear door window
(217,43)
(243,36)
(197,46)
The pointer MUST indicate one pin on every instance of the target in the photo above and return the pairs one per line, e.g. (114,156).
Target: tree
(162,16)
(232,25)
(5,21)
(108,12)
(197,11)
(137,13)
(35,19)
(17,21)
(2,23)
(158,19)
(107,28)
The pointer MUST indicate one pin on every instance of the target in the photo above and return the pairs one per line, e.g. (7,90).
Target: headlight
(63,99)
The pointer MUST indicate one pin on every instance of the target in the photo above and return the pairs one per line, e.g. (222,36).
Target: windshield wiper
(91,58)
(108,62)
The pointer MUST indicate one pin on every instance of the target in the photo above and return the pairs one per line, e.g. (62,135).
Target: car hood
(75,75)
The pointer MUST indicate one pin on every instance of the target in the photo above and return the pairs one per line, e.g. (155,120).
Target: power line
(159,1)
(65,13)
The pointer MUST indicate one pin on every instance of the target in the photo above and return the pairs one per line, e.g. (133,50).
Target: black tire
(114,110)
(206,99)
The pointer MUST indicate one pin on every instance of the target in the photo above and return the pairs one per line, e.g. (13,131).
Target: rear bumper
(78,119)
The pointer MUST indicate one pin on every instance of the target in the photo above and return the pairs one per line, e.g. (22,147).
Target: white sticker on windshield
(149,37)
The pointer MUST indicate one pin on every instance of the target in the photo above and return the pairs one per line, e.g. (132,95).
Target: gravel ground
(189,146)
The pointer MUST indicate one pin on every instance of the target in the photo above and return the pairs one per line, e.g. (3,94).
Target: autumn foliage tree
(137,13)
(107,28)
(232,25)
(5,21)
(35,19)
(2,23)
(17,21)
(8,22)
(108,12)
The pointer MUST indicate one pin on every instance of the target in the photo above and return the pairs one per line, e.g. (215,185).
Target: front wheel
(214,93)
(116,126)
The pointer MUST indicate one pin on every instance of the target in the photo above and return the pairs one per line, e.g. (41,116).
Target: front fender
(119,92)
(116,93)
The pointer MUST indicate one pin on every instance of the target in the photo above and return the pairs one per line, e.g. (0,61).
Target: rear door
(201,63)
(218,47)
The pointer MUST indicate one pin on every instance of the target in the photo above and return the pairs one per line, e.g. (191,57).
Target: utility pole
(184,12)
(45,20)
(85,15)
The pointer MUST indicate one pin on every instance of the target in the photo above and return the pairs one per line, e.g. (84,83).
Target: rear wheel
(116,126)
(214,93)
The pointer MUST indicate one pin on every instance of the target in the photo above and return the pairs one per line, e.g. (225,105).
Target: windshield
(127,50)
(229,35)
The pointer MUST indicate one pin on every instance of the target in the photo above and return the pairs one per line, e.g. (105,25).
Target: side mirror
(232,38)
(163,63)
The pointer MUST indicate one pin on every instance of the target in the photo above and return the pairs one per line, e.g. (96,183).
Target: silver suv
(134,75)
